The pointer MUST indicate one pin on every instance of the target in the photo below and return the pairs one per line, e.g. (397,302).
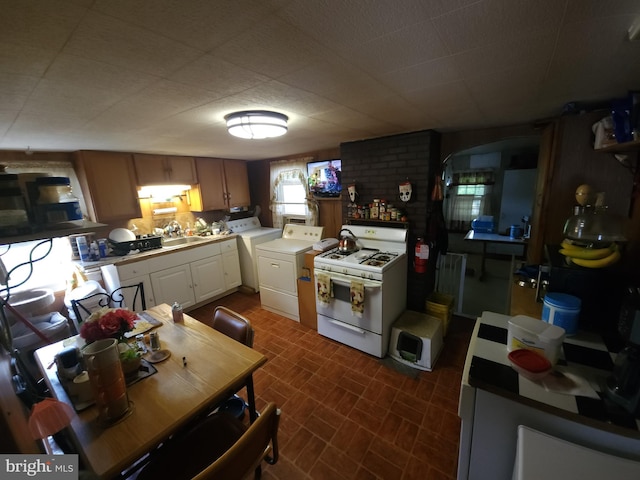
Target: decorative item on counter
(406,190)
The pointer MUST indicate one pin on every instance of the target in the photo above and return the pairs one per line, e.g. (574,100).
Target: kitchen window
(469,197)
(289,191)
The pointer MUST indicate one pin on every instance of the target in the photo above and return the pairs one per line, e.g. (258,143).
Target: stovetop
(365,259)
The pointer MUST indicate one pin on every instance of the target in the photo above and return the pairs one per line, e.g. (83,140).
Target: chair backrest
(221,447)
(258,443)
(233,325)
(135,301)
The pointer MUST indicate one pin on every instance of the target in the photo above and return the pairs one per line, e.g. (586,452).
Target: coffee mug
(81,388)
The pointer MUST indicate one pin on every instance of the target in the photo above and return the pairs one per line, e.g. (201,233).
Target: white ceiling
(160,75)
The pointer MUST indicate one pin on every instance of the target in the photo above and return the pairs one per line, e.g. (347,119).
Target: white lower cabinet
(174,285)
(231,264)
(189,277)
(208,278)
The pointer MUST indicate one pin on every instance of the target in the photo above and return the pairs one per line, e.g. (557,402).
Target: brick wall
(377,166)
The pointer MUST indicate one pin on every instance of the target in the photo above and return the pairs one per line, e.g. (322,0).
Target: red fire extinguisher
(421,257)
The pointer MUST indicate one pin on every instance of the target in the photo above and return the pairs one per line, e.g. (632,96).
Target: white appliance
(250,234)
(416,340)
(280,264)
(539,455)
(380,264)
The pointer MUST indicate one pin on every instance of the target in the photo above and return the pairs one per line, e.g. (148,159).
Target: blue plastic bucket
(563,310)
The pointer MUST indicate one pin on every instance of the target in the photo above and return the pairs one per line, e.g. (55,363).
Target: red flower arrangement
(107,323)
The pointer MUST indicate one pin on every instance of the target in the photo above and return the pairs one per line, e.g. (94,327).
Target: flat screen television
(325,178)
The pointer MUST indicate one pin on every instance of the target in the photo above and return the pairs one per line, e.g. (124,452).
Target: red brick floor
(345,415)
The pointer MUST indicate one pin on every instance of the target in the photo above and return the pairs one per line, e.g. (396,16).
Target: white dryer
(250,234)
(280,264)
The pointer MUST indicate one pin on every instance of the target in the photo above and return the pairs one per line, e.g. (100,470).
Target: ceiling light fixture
(256,124)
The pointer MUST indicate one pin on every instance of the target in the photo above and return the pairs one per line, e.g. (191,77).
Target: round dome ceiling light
(256,124)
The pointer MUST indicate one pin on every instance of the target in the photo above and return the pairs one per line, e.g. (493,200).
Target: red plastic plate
(529,361)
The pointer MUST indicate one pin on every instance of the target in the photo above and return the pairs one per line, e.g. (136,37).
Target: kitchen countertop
(584,358)
(164,250)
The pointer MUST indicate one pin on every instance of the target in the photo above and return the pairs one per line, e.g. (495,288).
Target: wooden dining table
(205,367)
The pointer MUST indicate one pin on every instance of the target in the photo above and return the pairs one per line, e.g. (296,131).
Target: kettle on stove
(347,243)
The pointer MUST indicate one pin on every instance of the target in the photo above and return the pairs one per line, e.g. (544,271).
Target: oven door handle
(346,326)
(346,280)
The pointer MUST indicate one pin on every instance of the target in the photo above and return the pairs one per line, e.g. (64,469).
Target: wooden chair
(219,448)
(238,327)
(128,296)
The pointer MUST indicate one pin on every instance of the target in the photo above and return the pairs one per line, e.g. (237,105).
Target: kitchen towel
(357,298)
(324,288)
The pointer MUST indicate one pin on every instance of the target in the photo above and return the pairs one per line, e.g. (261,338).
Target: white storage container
(533,334)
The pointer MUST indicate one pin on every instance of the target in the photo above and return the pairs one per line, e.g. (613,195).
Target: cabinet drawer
(183,257)
(229,245)
(131,270)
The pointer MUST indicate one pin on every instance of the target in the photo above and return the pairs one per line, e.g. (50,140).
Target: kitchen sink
(172,242)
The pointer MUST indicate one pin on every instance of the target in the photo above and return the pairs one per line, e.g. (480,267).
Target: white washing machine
(250,234)
(280,264)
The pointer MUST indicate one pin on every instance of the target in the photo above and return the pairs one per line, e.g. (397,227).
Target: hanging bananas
(590,257)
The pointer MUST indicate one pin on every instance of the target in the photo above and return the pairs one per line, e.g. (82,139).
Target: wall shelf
(86,227)
(379,223)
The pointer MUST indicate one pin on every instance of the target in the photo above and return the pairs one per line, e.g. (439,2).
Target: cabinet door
(151,169)
(181,170)
(208,278)
(173,285)
(108,182)
(237,183)
(231,264)
(148,290)
(211,180)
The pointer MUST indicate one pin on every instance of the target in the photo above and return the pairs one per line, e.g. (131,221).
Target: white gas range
(378,269)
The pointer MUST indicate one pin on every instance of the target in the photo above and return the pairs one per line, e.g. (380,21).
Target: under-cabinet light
(162,193)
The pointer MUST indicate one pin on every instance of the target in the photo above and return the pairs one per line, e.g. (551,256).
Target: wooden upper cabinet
(164,169)
(237,183)
(108,182)
(222,184)
(211,193)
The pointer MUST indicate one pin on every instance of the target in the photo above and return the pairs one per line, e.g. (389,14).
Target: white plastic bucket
(563,310)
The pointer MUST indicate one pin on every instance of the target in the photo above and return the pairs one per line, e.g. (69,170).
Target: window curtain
(470,198)
(291,172)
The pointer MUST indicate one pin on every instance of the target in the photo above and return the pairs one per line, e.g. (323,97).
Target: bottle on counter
(177,313)
(375,209)
(83,248)
(94,252)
